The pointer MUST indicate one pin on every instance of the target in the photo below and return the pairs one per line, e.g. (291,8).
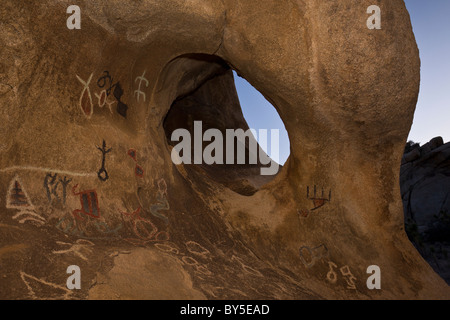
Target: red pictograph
(318,201)
(138,170)
(89,204)
(144,229)
(133,154)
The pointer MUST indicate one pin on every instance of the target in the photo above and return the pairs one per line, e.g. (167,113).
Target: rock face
(86,172)
(425,186)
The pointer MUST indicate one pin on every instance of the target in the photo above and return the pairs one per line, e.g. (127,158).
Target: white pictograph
(139,92)
(80,246)
(86,104)
(33,284)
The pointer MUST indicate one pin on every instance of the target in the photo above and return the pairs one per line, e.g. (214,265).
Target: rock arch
(346,94)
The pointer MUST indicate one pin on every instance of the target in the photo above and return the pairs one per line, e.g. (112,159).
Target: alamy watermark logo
(374,281)
(374,21)
(74,21)
(74,281)
(222,150)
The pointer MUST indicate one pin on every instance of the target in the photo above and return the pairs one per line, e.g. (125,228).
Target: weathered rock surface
(86,173)
(425,186)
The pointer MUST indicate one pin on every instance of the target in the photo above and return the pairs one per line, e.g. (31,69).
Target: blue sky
(260,114)
(430,20)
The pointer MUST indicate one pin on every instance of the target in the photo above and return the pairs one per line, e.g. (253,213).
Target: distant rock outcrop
(425,186)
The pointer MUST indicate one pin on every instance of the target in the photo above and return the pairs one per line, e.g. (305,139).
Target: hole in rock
(209,132)
(261,114)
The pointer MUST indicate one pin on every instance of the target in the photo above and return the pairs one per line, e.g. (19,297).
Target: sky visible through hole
(432,30)
(260,114)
